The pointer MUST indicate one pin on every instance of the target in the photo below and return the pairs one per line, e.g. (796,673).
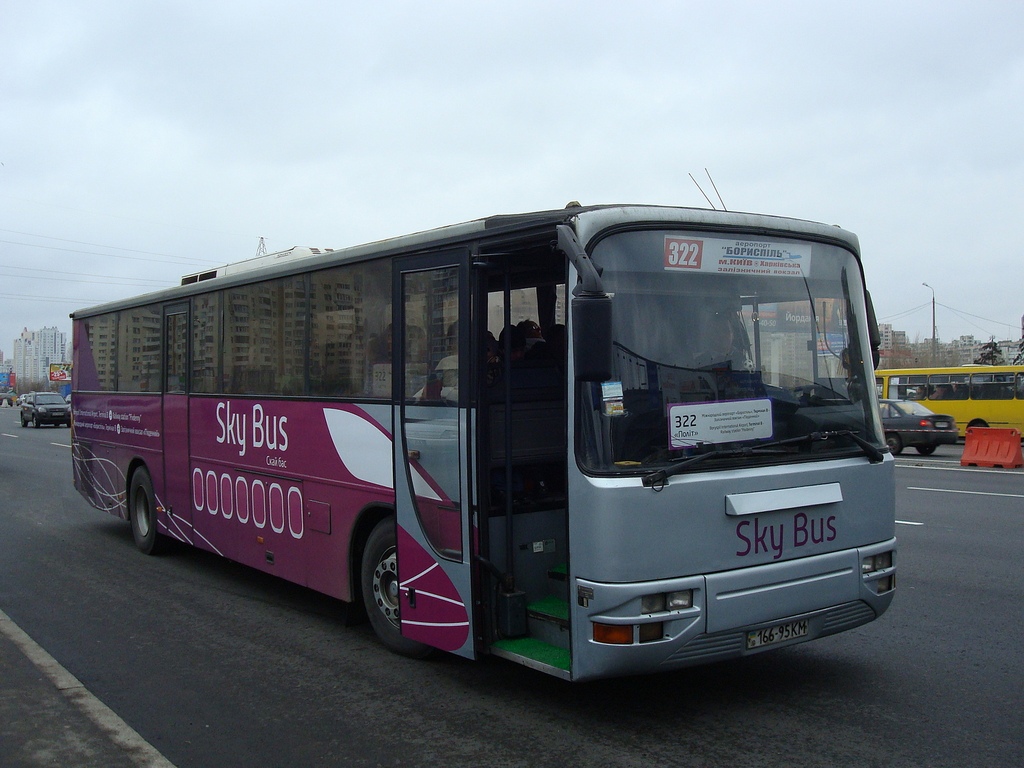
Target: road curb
(139,751)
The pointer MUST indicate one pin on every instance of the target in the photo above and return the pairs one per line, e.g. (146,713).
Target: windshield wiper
(875,454)
(659,477)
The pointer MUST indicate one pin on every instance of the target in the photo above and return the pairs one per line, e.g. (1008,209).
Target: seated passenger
(517,343)
(531,333)
(720,343)
(722,351)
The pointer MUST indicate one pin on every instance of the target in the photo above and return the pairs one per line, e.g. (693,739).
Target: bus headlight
(667,601)
(652,603)
(873,563)
(678,600)
(873,567)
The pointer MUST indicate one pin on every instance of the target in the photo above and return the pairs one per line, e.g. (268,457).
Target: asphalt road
(215,664)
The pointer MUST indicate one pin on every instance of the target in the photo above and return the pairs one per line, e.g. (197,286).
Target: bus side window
(992,386)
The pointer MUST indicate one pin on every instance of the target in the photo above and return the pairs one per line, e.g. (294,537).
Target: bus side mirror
(592,337)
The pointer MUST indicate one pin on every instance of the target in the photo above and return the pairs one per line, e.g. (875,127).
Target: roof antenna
(716,190)
(261,249)
(702,192)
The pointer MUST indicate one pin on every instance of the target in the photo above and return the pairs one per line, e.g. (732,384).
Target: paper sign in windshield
(741,257)
(726,422)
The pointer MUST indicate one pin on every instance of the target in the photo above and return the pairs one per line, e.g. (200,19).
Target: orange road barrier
(988,447)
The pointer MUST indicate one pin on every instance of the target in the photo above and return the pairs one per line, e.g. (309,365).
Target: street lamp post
(935,350)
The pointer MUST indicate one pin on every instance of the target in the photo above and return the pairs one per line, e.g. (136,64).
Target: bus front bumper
(731,614)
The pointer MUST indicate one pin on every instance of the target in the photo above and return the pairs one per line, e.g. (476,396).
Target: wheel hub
(386,588)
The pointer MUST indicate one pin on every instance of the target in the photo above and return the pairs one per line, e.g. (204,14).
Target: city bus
(595,441)
(974,395)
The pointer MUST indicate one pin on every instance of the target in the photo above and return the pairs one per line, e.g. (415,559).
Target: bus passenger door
(176,518)
(433,491)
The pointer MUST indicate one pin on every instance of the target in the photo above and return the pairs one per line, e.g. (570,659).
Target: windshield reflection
(729,354)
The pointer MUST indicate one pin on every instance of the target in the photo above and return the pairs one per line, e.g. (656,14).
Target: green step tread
(537,650)
(559,572)
(552,606)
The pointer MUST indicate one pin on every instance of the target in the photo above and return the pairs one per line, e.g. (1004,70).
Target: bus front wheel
(142,508)
(382,592)
(978,423)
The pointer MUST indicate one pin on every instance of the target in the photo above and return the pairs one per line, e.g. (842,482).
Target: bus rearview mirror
(592,337)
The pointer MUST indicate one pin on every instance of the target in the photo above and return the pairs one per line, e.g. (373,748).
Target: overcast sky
(140,141)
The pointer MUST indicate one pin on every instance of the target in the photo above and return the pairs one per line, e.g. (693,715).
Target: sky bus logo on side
(257,428)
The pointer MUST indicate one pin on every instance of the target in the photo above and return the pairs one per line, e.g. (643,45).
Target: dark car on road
(40,408)
(908,423)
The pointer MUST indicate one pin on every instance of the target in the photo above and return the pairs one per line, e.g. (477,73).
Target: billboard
(60,371)
(8,380)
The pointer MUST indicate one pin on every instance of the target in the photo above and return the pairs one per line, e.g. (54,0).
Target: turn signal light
(613,634)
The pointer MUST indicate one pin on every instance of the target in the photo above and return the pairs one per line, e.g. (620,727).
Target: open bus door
(432,448)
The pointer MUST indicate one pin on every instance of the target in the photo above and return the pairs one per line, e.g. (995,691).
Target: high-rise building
(35,350)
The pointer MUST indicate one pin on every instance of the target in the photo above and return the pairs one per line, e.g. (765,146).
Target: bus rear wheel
(142,509)
(382,592)
(981,423)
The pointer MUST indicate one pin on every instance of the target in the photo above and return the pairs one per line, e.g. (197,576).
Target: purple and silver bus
(595,441)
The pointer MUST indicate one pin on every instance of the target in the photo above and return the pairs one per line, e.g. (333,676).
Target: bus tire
(381,593)
(142,511)
(978,423)
(894,443)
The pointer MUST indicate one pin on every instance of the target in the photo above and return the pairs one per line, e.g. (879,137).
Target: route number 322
(684,421)
(683,254)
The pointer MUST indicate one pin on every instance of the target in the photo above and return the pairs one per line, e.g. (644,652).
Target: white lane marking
(972,470)
(8,434)
(907,522)
(136,748)
(61,445)
(968,493)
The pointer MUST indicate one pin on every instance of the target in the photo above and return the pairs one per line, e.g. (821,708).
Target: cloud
(192,129)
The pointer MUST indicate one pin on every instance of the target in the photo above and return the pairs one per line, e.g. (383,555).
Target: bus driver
(720,342)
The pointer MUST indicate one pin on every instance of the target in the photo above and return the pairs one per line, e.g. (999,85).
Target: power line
(79,302)
(106,278)
(960,313)
(124,282)
(109,215)
(181,262)
(905,312)
(94,245)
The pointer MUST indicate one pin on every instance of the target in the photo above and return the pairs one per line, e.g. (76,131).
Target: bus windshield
(749,350)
